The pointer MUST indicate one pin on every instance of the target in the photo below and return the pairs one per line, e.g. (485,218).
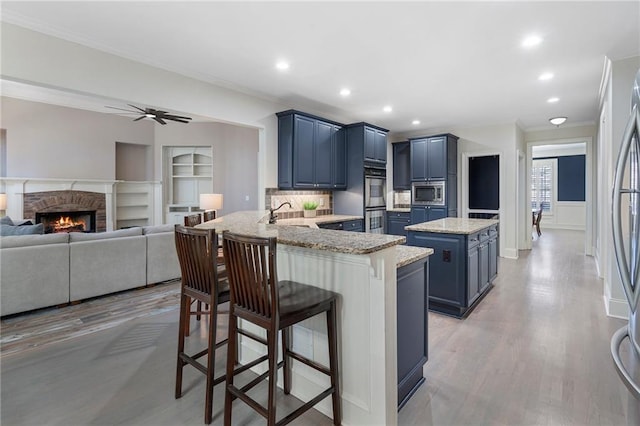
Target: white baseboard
(568,226)
(616,308)
(510,253)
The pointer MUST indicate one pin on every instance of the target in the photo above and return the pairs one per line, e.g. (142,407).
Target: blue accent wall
(571,177)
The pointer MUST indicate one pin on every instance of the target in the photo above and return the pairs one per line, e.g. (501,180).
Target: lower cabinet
(396,221)
(412,324)
(421,214)
(356,225)
(462,268)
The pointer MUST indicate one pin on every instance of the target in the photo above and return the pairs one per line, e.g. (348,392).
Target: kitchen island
(464,264)
(362,268)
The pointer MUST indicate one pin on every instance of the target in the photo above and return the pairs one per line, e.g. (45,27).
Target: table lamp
(210,203)
(3,204)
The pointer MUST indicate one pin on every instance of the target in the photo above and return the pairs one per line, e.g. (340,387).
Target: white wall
(48,141)
(615,105)
(235,159)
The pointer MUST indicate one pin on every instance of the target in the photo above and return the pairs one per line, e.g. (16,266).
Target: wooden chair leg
(198,310)
(333,363)
(232,345)
(272,351)
(211,358)
(286,368)
(184,316)
(187,324)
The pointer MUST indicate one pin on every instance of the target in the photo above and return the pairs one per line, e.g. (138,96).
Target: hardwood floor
(534,352)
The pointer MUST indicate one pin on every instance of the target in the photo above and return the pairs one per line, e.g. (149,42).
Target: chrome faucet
(273,217)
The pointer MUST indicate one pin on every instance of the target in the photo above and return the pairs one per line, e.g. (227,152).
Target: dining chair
(537,221)
(259,298)
(198,253)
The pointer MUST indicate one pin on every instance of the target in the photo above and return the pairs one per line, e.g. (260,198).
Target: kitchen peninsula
(464,264)
(362,268)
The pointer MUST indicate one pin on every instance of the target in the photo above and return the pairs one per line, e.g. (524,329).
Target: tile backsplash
(401,199)
(274,197)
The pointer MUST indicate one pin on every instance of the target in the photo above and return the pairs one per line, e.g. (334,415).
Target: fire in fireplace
(78,221)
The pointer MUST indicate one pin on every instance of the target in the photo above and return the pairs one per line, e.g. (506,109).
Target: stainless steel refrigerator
(626,242)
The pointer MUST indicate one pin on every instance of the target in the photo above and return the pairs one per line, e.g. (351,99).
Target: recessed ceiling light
(531,41)
(282,65)
(545,76)
(345,92)
(553,100)
(415,122)
(387,108)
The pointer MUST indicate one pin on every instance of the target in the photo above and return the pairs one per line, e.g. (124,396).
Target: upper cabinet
(434,157)
(311,152)
(375,143)
(401,166)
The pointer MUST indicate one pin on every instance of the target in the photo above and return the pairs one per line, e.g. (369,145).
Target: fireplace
(49,207)
(75,221)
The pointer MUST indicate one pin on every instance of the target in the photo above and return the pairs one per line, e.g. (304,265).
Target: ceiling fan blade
(138,108)
(158,112)
(140,118)
(122,109)
(160,120)
(172,118)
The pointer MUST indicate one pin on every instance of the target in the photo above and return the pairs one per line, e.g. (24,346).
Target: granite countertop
(253,223)
(453,225)
(400,210)
(406,255)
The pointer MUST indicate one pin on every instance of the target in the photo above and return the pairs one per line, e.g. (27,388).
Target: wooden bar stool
(258,297)
(198,253)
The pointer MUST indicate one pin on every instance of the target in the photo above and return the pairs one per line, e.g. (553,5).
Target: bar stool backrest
(192,220)
(197,251)
(253,281)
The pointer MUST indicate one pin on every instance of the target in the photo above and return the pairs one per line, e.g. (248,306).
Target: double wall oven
(375,203)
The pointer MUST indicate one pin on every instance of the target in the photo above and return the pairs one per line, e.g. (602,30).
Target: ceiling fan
(154,114)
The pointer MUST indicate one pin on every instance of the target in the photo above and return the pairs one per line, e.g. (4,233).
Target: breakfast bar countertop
(406,255)
(253,223)
(452,225)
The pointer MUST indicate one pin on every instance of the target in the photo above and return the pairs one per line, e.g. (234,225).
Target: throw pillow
(6,220)
(26,222)
(21,230)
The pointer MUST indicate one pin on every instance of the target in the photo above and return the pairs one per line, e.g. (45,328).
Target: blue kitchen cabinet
(401,166)
(462,268)
(373,140)
(434,157)
(420,214)
(312,152)
(396,221)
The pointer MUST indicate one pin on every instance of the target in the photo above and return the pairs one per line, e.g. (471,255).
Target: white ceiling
(443,63)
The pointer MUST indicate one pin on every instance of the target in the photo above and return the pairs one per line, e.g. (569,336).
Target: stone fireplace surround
(25,196)
(66,201)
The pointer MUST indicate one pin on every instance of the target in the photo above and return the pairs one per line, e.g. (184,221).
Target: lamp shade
(3,201)
(210,201)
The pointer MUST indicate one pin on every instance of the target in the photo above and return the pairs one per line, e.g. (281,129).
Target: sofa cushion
(156,229)
(81,236)
(6,220)
(33,240)
(21,230)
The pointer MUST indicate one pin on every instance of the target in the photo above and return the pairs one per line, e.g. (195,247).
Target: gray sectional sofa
(37,271)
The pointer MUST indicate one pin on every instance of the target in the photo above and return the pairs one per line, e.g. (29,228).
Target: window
(542,185)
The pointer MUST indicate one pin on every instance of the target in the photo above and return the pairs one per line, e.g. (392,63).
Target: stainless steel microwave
(428,193)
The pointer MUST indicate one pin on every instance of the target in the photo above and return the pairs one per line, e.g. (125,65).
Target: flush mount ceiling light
(345,92)
(557,121)
(387,108)
(553,100)
(282,65)
(531,41)
(545,76)
(415,122)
